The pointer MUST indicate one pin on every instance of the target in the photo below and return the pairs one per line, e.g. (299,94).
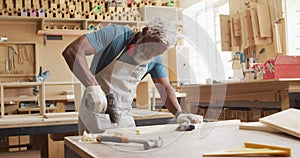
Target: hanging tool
(6,66)
(147,143)
(21,57)
(11,58)
(242,61)
(23,54)
(259,54)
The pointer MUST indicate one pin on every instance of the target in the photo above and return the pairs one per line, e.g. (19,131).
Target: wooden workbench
(38,126)
(262,94)
(208,137)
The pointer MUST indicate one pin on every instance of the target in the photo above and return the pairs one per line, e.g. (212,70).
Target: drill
(112,109)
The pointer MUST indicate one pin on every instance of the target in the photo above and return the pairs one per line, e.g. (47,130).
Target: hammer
(148,144)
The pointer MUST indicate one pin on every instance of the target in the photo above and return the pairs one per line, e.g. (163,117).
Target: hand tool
(147,143)
(259,54)
(111,109)
(11,57)
(185,127)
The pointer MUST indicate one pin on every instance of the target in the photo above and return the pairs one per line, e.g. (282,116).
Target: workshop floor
(21,154)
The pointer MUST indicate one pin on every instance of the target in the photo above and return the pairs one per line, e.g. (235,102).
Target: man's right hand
(95,99)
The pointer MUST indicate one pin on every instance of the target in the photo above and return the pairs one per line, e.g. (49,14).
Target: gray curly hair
(161,29)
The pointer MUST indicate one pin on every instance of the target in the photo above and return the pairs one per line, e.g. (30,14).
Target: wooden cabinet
(41,97)
(25,94)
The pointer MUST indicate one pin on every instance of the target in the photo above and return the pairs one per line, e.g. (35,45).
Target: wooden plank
(264,20)
(42,98)
(18,121)
(9,5)
(72,9)
(279,37)
(86,7)
(286,121)
(247,31)
(235,33)
(142,96)
(19,5)
(61,115)
(27,4)
(255,25)
(225,32)
(252,149)
(2,101)
(257,126)
(1,5)
(36,4)
(45,4)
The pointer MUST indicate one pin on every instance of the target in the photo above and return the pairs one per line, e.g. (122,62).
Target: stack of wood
(122,10)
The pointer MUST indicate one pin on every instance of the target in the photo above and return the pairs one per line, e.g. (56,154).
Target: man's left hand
(183,117)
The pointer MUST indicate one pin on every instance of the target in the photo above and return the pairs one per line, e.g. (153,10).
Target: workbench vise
(41,77)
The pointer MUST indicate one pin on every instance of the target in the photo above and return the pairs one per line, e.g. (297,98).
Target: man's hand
(95,99)
(182,117)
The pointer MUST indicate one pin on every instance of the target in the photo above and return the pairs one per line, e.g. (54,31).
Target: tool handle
(112,139)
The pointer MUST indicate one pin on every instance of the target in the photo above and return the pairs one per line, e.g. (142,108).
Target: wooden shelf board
(17,75)
(20,84)
(63,32)
(34,98)
(61,83)
(35,109)
(63,20)
(20,18)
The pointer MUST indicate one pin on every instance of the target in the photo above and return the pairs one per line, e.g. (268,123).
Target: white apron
(120,79)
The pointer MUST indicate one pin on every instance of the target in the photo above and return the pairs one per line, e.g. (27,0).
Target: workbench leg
(69,153)
(285,100)
(40,142)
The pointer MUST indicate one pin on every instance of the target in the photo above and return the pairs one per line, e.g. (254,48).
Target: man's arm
(75,56)
(167,93)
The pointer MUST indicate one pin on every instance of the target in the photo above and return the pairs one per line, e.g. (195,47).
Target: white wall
(293,26)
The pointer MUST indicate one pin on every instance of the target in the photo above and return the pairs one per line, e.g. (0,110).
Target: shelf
(21,84)
(20,18)
(63,32)
(17,75)
(35,98)
(35,109)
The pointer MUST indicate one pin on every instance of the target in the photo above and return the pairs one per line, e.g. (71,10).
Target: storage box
(282,67)
(170,13)
(269,69)
(287,67)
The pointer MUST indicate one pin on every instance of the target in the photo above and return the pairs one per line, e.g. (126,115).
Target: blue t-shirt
(109,41)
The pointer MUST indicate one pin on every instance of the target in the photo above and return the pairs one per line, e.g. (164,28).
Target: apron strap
(130,40)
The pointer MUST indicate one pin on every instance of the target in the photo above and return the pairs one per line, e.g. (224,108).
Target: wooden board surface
(286,121)
(257,126)
(208,137)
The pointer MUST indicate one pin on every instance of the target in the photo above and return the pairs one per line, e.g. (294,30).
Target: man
(121,59)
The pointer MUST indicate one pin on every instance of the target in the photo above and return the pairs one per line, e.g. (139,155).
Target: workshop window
(206,14)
